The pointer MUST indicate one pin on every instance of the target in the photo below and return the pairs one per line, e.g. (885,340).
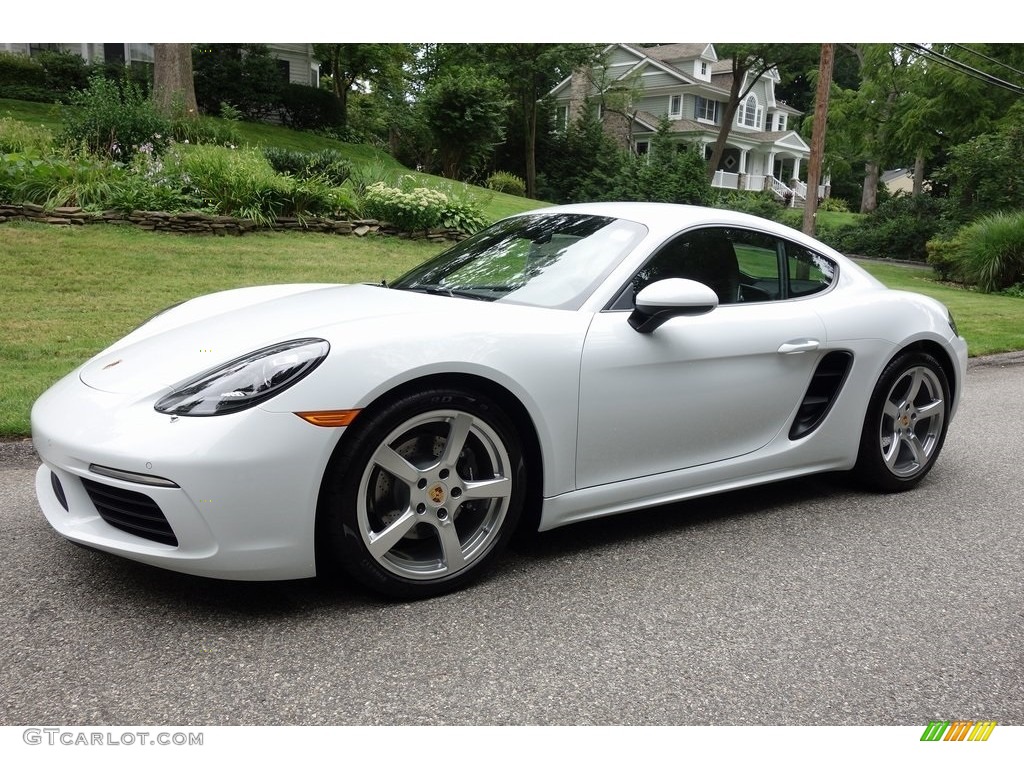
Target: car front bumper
(238,493)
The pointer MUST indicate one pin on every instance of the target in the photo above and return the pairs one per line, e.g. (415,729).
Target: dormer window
(675,107)
(704,68)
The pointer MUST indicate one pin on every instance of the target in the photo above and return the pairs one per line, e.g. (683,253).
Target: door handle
(796,346)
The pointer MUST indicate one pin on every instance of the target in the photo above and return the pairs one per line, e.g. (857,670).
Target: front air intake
(131,512)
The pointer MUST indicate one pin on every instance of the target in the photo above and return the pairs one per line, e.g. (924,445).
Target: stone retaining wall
(193,223)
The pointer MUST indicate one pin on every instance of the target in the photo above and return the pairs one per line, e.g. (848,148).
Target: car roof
(663,219)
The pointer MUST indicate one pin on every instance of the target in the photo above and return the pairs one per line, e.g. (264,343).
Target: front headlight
(245,381)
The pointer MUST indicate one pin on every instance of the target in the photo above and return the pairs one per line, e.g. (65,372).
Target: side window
(739,265)
(808,272)
(704,255)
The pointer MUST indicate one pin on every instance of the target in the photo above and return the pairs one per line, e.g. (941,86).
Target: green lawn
(66,293)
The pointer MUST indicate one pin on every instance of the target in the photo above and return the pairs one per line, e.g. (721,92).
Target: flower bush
(414,210)
(113,120)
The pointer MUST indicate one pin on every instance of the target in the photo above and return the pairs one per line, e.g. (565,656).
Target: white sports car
(563,364)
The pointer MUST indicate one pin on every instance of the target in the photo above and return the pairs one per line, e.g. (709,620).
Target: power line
(987,58)
(963,68)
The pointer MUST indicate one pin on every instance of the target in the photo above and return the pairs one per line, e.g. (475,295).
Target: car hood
(209,331)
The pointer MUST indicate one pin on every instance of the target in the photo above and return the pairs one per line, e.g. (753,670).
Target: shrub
(245,76)
(327,163)
(307,108)
(509,183)
(668,173)
(22,78)
(235,182)
(898,229)
(992,256)
(205,130)
(65,72)
(18,136)
(836,204)
(413,211)
(944,257)
(763,204)
(114,120)
(55,181)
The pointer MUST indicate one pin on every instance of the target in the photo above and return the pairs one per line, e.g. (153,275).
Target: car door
(707,388)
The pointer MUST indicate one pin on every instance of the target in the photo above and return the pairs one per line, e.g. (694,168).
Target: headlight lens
(245,381)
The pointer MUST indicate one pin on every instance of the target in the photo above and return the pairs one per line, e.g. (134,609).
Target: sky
(517,21)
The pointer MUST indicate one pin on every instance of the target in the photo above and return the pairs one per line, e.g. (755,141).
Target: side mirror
(673,297)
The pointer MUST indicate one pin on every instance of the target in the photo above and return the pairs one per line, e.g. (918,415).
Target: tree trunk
(919,173)
(530,113)
(869,197)
(174,92)
(818,135)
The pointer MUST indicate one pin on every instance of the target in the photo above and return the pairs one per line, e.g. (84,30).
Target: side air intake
(825,385)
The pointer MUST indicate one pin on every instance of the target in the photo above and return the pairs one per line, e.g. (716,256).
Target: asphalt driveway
(802,603)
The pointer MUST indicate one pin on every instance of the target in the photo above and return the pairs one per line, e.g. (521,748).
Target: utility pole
(828,51)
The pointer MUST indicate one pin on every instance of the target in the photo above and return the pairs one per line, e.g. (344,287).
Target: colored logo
(958,730)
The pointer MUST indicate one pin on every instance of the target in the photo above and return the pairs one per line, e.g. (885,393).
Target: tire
(905,425)
(426,494)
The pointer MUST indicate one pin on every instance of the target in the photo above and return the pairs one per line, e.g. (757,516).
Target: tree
(354,66)
(750,61)
(465,111)
(529,71)
(174,91)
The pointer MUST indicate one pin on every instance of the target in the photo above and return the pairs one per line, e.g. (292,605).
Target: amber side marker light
(328,418)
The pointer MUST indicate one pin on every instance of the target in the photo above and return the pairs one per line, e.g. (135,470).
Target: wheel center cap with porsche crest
(437,493)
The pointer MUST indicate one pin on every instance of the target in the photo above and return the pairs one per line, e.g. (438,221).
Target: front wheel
(905,425)
(426,494)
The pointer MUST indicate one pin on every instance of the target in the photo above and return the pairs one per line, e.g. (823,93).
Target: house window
(562,118)
(780,122)
(675,107)
(643,147)
(704,68)
(748,114)
(284,68)
(707,110)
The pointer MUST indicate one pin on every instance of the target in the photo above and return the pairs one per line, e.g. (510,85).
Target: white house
(295,59)
(636,87)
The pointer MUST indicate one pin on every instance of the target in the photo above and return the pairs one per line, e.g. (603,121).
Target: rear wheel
(905,425)
(426,495)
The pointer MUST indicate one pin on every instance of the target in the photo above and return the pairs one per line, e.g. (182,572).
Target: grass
(67,293)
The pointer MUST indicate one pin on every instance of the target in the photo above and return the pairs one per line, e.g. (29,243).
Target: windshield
(550,260)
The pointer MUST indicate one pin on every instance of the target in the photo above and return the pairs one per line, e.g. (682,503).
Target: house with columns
(635,88)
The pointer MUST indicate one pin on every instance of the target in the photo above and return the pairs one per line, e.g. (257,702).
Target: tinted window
(739,265)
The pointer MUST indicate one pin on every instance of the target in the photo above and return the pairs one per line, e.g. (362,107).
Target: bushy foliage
(18,136)
(205,130)
(114,120)
(943,256)
(55,180)
(306,108)
(581,165)
(245,76)
(985,174)
(413,211)
(764,204)
(22,78)
(834,204)
(465,111)
(65,72)
(991,255)
(668,173)
(898,229)
(415,208)
(329,164)
(509,183)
